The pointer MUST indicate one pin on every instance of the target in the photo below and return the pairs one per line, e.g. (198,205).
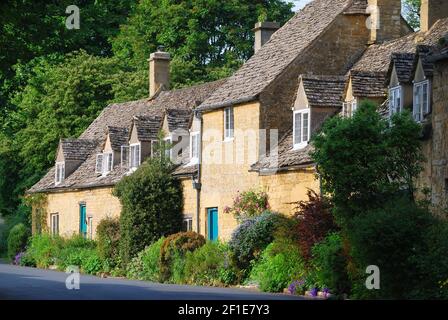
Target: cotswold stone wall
(100,203)
(189,195)
(435,174)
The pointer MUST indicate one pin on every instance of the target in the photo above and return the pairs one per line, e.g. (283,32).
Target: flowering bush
(248,204)
(297,287)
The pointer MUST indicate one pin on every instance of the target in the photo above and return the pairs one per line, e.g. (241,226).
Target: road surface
(36,284)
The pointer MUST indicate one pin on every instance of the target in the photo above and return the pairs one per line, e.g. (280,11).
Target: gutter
(269,172)
(210,107)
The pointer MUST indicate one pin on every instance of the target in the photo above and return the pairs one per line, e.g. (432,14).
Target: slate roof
(368,84)
(77,149)
(404,64)
(122,115)
(377,58)
(118,137)
(277,54)
(286,158)
(148,127)
(179,119)
(324,91)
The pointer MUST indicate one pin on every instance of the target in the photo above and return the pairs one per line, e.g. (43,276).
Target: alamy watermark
(73,21)
(374,278)
(73,281)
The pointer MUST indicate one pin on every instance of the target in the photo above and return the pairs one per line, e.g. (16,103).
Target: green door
(83,220)
(212,215)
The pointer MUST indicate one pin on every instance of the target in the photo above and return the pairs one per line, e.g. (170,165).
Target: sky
(299,4)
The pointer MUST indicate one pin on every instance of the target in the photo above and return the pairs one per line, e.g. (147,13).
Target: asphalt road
(36,284)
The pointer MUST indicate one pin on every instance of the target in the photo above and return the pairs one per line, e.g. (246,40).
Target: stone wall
(189,195)
(100,203)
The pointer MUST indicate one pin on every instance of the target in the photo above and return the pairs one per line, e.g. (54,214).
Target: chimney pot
(263,32)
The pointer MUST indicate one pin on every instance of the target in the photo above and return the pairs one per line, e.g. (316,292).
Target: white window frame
(189,222)
(108,165)
(59,176)
(349,108)
(229,124)
(393,94)
(90,227)
(131,159)
(418,109)
(99,165)
(169,152)
(54,220)
(194,158)
(303,143)
(125,153)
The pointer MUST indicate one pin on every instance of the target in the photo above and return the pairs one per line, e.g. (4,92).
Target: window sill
(229,139)
(300,146)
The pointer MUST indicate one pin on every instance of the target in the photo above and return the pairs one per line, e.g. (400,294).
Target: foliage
(329,265)
(17,240)
(315,222)
(108,237)
(412,12)
(152,205)
(87,259)
(280,264)
(174,249)
(44,249)
(146,265)
(210,265)
(398,238)
(252,236)
(208,39)
(248,204)
(361,159)
(21,216)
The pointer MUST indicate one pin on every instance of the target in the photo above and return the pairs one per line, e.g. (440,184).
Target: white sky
(299,4)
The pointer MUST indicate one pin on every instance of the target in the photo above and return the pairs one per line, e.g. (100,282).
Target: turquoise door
(212,224)
(83,220)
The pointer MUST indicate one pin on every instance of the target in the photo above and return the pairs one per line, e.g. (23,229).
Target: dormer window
(395,100)
(194,147)
(421,100)
(135,155)
(60,172)
(349,108)
(228,123)
(125,156)
(168,147)
(301,131)
(104,163)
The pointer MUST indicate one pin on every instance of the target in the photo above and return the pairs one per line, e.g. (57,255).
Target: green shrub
(146,266)
(280,264)
(253,235)
(44,249)
(152,204)
(210,265)
(27,260)
(248,204)
(175,247)
(91,262)
(329,265)
(17,240)
(108,237)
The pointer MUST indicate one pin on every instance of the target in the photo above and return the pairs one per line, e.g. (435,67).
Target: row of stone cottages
(322,62)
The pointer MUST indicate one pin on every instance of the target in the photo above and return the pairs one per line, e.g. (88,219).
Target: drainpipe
(197,183)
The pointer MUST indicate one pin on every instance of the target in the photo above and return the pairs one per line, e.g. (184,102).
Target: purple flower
(295,285)
(18,258)
(314,292)
(326,292)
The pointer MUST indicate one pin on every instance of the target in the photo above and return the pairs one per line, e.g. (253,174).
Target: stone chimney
(263,32)
(159,71)
(431,11)
(385,20)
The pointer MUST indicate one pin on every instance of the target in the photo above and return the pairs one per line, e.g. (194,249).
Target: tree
(365,159)
(152,204)
(207,38)
(412,12)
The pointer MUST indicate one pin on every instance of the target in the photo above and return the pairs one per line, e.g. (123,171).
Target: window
(108,162)
(154,147)
(228,123)
(194,147)
(168,147)
(135,155)
(395,101)
(125,156)
(187,224)
(421,100)
(90,227)
(60,172)
(301,128)
(99,163)
(54,219)
(349,108)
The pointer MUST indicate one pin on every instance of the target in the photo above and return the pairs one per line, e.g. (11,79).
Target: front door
(83,220)
(212,214)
